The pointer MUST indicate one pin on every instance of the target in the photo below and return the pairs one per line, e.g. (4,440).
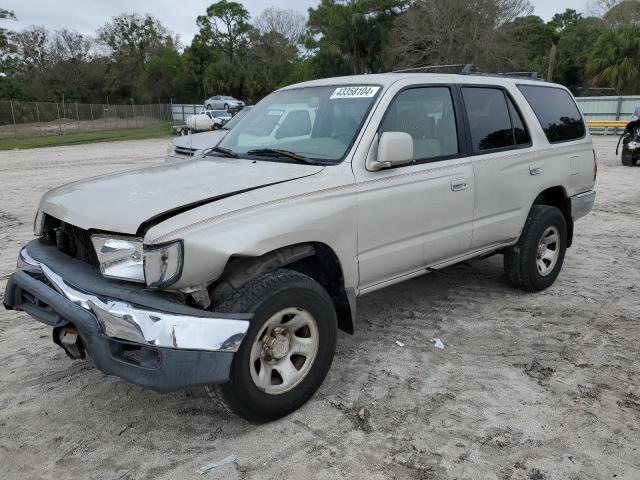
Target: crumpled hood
(122,202)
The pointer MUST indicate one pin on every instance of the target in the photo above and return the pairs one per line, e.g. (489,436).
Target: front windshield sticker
(356,91)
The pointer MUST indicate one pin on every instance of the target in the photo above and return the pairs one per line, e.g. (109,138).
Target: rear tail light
(595,166)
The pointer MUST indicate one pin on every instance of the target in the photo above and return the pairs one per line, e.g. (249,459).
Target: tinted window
(520,132)
(427,115)
(489,119)
(556,111)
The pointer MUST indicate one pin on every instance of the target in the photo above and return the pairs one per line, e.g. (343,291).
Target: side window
(489,119)
(557,112)
(520,132)
(427,115)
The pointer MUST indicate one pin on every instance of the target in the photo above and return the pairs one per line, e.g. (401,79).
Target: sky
(86,16)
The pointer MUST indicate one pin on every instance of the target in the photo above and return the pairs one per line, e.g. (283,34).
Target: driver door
(419,214)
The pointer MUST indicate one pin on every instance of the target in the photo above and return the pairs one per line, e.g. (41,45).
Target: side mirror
(394,148)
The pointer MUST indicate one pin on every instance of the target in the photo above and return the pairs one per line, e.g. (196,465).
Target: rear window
(557,112)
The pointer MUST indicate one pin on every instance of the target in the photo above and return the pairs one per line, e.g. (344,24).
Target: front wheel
(287,351)
(534,263)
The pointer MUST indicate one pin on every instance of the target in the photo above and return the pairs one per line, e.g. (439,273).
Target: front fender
(321,208)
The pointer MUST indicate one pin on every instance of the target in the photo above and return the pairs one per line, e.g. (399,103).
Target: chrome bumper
(582,204)
(121,320)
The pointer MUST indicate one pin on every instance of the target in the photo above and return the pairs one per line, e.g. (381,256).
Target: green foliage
(136,56)
(575,49)
(615,60)
(356,30)
(225,26)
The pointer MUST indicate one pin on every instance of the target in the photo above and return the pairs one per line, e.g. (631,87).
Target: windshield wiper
(275,152)
(225,151)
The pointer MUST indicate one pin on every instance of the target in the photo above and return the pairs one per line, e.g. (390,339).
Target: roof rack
(470,69)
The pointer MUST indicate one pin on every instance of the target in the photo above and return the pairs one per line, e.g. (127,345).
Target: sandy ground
(529,386)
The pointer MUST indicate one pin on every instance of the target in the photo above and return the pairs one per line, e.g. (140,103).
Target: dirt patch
(528,387)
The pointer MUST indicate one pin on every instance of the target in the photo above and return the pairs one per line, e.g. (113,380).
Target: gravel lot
(529,386)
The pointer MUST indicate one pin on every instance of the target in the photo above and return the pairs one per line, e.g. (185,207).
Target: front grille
(185,151)
(71,240)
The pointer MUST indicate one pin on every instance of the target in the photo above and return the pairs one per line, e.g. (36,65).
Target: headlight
(120,257)
(163,264)
(38,224)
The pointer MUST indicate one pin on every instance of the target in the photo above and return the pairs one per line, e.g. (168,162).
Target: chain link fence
(29,119)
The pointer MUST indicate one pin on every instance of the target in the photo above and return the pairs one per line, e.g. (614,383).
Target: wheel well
(315,260)
(556,197)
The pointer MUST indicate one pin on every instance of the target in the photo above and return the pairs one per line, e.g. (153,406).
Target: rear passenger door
(503,163)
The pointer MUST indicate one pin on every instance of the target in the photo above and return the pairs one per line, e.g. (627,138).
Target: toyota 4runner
(236,269)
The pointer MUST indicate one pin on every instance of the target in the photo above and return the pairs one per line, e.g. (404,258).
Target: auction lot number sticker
(355,91)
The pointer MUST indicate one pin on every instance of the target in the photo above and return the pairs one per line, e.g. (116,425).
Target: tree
(4,33)
(166,75)
(131,39)
(522,45)
(287,23)
(567,19)
(574,51)
(225,26)
(452,31)
(615,60)
(357,30)
(623,13)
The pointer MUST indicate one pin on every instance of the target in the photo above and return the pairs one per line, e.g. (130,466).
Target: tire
(226,107)
(267,297)
(530,265)
(628,158)
(209,107)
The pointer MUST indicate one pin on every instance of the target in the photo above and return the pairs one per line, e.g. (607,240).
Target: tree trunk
(555,39)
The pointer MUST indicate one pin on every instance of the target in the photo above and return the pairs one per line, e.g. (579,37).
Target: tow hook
(69,339)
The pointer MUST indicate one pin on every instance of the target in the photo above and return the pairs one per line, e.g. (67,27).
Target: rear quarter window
(556,111)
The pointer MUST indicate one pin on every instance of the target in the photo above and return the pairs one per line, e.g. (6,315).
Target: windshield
(238,116)
(318,123)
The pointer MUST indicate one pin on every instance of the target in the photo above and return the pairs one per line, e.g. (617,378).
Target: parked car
(223,102)
(187,146)
(236,270)
(208,120)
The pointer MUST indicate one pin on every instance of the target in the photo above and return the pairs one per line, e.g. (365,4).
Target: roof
(388,79)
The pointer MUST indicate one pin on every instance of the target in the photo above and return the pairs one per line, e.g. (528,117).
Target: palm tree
(615,60)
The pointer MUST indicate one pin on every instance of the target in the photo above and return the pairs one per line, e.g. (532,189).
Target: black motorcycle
(630,139)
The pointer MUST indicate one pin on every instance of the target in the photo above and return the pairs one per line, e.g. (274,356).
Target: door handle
(535,169)
(458,184)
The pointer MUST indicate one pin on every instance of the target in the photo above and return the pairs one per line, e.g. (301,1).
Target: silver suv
(236,270)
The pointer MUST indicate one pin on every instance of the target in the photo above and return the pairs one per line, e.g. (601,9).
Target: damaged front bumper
(143,337)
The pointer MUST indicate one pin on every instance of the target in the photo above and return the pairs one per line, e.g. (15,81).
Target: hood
(199,141)
(123,202)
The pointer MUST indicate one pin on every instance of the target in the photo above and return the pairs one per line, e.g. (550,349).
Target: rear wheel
(226,107)
(287,350)
(628,159)
(209,107)
(534,263)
